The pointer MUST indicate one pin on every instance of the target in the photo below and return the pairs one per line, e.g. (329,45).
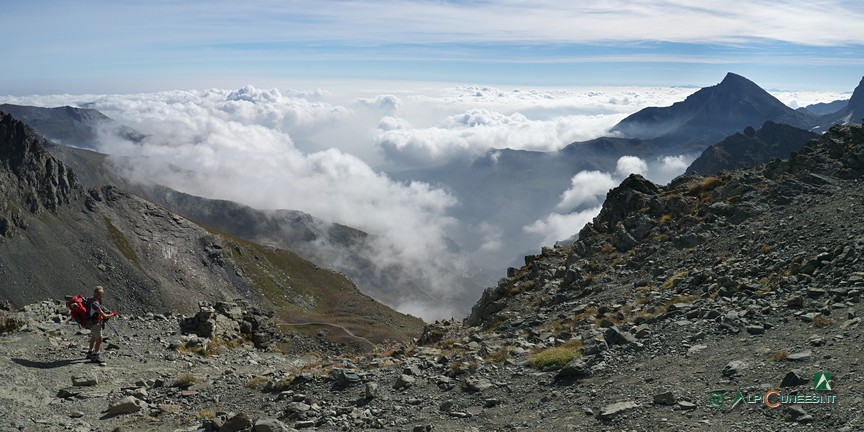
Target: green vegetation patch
(556,357)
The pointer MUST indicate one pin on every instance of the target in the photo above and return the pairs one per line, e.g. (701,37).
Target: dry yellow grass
(256,382)
(822,321)
(185,380)
(556,357)
(673,281)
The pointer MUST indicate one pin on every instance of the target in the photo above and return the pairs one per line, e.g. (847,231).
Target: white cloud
(668,167)
(238,147)
(493,237)
(627,165)
(439,125)
(796,99)
(393,123)
(251,94)
(587,188)
(472,133)
(555,226)
(387,104)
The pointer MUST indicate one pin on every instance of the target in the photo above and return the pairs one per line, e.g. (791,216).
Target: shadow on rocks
(47,365)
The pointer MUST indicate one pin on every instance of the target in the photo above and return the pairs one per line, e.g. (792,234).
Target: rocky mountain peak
(738,82)
(713,113)
(30,178)
(851,113)
(856,102)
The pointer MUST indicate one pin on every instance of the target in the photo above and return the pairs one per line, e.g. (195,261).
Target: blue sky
(131,46)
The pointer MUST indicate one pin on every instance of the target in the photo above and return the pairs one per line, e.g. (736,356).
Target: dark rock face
(751,148)
(31,180)
(853,112)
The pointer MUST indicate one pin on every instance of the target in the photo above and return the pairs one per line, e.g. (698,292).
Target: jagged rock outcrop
(642,226)
(31,180)
(750,267)
(853,112)
(750,148)
(231,321)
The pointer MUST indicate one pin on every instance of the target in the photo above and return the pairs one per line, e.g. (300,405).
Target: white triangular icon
(823,379)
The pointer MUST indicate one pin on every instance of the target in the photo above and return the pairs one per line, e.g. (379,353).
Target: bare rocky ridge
(825,108)
(751,147)
(673,299)
(76,127)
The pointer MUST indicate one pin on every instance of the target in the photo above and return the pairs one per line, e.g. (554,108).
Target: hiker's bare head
(99,292)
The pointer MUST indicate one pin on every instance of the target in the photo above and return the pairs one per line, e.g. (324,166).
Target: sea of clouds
(327,152)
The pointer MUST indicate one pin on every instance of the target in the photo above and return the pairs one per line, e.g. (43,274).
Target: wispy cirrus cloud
(218,42)
(257,24)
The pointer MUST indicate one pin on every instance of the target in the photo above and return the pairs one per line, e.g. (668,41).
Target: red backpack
(79,309)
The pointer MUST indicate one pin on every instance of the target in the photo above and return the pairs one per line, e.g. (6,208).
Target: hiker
(97,317)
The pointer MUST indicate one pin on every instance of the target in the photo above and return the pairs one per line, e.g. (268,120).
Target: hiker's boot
(89,355)
(97,358)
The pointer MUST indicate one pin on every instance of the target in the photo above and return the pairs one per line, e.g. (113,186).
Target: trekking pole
(108,323)
(59,330)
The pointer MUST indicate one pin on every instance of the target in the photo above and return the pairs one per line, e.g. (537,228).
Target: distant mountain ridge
(713,113)
(70,126)
(825,108)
